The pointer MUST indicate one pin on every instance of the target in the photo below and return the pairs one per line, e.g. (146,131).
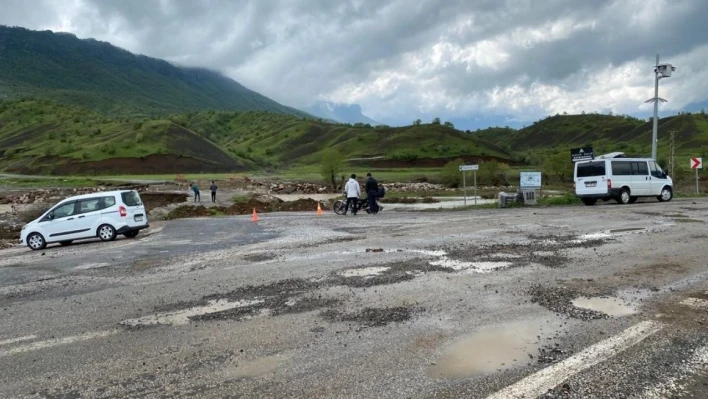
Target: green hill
(40,136)
(606,133)
(104,78)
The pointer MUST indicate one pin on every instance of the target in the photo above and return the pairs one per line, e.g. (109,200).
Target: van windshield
(589,169)
(131,198)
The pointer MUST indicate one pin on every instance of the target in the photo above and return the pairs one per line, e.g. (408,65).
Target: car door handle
(81,217)
(70,219)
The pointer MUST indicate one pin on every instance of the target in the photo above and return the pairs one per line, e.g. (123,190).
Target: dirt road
(577,302)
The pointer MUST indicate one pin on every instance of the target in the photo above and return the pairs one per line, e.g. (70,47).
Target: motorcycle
(340,206)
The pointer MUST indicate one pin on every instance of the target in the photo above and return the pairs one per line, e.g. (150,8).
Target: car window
(621,168)
(109,202)
(64,210)
(131,198)
(589,169)
(89,205)
(656,170)
(640,169)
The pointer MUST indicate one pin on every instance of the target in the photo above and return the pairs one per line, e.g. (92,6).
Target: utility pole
(672,157)
(660,71)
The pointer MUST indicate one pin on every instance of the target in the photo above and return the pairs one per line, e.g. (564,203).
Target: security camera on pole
(660,71)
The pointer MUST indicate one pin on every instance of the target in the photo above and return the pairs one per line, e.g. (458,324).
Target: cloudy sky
(402,59)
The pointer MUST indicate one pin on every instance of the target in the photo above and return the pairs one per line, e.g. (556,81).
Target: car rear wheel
(131,234)
(666,194)
(35,241)
(106,232)
(624,197)
(65,243)
(589,201)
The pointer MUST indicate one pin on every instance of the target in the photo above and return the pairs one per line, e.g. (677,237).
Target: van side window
(656,170)
(640,169)
(620,168)
(89,205)
(108,202)
(64,210)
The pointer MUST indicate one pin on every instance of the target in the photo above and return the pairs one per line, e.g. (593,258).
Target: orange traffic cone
(254,217)
(319,209)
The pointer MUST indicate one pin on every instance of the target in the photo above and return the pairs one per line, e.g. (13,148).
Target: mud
(372,317)
(246,208)
(560,300)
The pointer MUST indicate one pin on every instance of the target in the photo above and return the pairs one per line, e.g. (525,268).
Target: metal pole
(697,190)
(475,187)
(655,128)
(464,184)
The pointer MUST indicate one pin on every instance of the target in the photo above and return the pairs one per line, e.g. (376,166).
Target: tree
(504,173)
(436,121)
(557,165)
(332,165)
(417,122)
(449,124)
(489,172)
(450,173)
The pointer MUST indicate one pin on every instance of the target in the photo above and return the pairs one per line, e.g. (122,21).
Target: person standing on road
(372,191)
(213,191)
(196,192)
(353,192)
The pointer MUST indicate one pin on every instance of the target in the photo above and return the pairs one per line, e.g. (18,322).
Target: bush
(565,199)
(139,138)
(450,174)
(407,156)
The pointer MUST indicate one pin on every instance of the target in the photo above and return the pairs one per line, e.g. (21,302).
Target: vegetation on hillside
(104,78)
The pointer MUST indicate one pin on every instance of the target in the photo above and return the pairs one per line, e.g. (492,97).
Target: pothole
(490,350)
(611,306)
(372,317)
(560,299)
(363,272)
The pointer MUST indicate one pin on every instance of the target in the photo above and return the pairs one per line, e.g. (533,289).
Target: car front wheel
(666,194)
(35,241)
(106,232)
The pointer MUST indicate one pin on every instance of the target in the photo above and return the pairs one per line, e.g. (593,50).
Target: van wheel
(666,194)
(633,199)
(35,241)
(106,232)
(624,197)
(65,243)
(589,201)
(131,234)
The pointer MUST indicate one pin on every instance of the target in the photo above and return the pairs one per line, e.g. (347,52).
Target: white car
(622,179)
(103,215)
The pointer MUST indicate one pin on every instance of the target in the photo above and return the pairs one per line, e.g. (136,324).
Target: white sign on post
(530,180)
(464,169)
(697,163)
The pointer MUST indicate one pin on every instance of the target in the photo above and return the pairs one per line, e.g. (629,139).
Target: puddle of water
(181,317)
(490,349)
(611,306)
(86,266)
(363,272)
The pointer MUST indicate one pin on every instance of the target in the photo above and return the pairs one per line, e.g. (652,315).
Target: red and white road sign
(696,163)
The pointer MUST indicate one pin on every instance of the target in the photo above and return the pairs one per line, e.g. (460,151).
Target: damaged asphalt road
(566,302)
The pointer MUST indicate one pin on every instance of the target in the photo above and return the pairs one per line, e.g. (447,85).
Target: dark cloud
(400,58)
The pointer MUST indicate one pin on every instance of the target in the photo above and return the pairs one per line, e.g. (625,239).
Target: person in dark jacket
(213,191)
(372,191)
(197,198)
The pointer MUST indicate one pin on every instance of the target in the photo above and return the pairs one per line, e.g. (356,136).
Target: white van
(103,215)
(621,179)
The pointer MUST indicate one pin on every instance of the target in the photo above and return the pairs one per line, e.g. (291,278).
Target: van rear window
(131,198)
(589,169)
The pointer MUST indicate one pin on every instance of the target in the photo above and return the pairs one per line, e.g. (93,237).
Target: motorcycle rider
(353,192)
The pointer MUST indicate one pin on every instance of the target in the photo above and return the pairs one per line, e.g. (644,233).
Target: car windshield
(131,198)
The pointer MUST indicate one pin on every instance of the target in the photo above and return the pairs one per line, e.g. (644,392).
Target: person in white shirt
(353,191)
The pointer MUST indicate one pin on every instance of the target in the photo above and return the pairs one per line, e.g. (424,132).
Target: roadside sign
(530,180)
(581,154)
(696,163)
(464,169)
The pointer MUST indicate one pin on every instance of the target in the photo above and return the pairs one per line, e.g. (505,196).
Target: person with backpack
(372,191)
(353,192)
(213,191)
(194,187)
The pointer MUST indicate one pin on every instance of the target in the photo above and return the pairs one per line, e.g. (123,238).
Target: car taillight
(123,212)
(609,183)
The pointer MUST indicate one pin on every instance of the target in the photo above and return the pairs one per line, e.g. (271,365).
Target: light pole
(660,71)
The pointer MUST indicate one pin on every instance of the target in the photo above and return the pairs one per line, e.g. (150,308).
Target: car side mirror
(50,216)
